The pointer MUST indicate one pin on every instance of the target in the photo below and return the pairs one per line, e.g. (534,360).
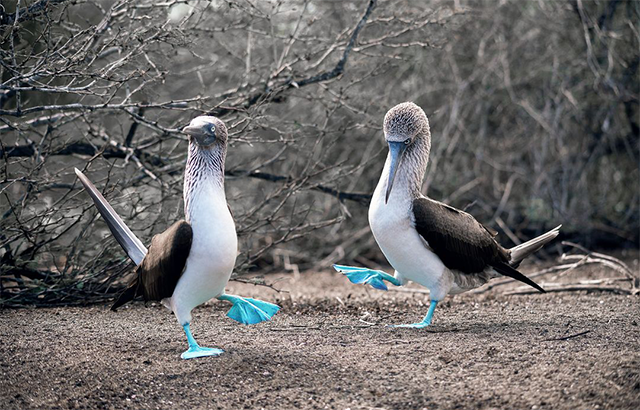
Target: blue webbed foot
(249,311)
(194,349)
(197,351)
(375,278)
(425,322)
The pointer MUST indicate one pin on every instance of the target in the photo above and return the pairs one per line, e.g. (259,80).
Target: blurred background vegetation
(533,108)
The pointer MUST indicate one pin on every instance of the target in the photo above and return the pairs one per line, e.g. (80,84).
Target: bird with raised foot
(428,242)
(191,262)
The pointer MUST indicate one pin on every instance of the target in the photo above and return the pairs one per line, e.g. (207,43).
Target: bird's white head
(206,131)
(404,126)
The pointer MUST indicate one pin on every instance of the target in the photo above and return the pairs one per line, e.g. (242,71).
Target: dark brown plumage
(461,242)
(157,275)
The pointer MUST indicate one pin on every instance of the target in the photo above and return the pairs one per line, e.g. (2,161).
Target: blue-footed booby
(428,242)
(191,262)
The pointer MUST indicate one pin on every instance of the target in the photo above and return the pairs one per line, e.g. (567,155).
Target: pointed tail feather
(518,253)
(506,270)
(129,242)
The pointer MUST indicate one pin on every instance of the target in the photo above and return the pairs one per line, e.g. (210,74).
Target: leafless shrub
(533,108)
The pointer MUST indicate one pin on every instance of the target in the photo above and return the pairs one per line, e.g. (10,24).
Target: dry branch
(304,94)
(27,13)
(96,74)
(557,288)
(567,337)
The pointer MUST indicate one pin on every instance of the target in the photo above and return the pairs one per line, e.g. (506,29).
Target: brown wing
(162,267)
(461,242)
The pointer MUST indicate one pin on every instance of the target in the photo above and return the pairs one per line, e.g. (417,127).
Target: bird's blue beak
(204,136)
(396,151)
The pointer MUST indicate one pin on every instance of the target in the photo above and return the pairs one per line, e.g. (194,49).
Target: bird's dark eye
(407,141)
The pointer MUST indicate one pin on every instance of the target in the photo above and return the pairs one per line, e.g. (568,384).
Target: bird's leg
(372,277)
(427,319)
(249,311)
(195,350)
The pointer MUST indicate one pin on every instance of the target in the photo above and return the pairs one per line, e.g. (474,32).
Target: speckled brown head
(404,125)
(404,122)
(206,131)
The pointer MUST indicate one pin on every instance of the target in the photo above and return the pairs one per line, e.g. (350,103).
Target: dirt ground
(329,348)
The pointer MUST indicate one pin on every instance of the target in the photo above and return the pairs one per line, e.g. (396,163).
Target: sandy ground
(329,348)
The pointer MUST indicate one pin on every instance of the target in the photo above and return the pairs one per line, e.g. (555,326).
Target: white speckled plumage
(215,245)
(190,262)
(403,220)
(392,222)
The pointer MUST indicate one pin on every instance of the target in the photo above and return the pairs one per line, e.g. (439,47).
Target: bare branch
(28,13)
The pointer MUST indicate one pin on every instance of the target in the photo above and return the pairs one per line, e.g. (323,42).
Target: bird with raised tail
(191,262)
(428,242)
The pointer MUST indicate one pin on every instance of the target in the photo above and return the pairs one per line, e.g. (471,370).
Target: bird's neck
(408,181)
(204,174)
